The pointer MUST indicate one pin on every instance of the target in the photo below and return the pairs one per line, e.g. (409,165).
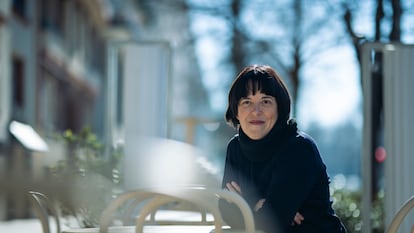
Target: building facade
(52,61)
(54,76)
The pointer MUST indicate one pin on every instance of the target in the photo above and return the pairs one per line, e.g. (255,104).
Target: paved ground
(21,226)
(25,226)
(34,226)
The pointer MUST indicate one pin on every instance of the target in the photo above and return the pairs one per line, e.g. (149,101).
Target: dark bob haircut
(258,78)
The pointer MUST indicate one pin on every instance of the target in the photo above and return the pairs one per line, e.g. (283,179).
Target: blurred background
(82,80)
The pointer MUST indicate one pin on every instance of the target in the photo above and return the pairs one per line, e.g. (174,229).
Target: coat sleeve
(229,172)
(230,213)
(295,173)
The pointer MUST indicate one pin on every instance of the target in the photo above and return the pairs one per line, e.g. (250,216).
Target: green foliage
(347,205)
(86,153)
(90,178)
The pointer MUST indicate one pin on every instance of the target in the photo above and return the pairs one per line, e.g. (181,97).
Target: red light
(380,154)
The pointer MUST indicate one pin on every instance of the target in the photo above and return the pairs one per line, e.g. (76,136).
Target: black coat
(286,169)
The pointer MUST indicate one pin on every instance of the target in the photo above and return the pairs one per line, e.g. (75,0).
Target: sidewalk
(21,226)
(33,225)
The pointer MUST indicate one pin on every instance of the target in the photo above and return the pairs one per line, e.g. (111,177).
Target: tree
(284,34)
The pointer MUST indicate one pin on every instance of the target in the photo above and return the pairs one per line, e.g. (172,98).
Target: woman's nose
(257,108)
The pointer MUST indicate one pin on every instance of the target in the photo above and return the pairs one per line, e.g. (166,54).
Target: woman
(275,167)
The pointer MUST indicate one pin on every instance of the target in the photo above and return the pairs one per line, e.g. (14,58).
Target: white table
(147,229)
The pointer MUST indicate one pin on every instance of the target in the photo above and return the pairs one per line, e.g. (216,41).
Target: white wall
(398,129)
(145,89)
(5,93)
(5,101)
(145,93)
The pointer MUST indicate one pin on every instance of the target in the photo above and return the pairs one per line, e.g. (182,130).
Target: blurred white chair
(44,208)
(400,215)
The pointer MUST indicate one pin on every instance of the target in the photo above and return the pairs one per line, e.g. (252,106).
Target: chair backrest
(400,215)
(44,208)
(147,203)
(204,199)
(177,213)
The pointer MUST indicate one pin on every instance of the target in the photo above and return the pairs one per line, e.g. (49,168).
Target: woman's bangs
(256,84)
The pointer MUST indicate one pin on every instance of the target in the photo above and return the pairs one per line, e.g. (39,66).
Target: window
(19,7)
(18,82)
(52,16)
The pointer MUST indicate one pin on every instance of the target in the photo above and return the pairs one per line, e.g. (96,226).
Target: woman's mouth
(256,122)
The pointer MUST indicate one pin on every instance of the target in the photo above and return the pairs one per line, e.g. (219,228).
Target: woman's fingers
(298,219)
(259,204)
(230,187)
(233,186)
(236,187)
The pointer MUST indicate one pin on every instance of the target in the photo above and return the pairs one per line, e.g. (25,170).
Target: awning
(26,135)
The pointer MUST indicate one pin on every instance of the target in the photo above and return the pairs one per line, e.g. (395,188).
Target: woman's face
(257,114)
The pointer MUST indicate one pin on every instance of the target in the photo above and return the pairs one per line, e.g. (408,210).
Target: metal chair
(44,208)
(400,215)
(152,200)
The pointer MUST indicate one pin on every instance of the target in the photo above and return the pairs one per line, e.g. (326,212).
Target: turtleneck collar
(266,147)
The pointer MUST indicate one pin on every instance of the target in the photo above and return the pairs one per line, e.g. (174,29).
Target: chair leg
(42,206)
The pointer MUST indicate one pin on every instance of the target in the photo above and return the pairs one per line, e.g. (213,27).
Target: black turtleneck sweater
(286,169)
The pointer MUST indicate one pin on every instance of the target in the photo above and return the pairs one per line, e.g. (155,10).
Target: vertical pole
(111,94)
(367,140)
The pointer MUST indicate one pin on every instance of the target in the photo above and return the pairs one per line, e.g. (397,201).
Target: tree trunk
(378,18)
(237,50)
(395,34)
(296,56)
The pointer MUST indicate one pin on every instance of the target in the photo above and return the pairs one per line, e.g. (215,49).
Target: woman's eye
(245,102)
(267,102)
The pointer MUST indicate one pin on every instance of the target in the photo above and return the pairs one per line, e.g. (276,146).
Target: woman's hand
(259,204)
(234,187)
(297,219)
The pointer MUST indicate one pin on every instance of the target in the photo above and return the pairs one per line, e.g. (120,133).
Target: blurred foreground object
(400,215)
(28,136)
(158,162)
